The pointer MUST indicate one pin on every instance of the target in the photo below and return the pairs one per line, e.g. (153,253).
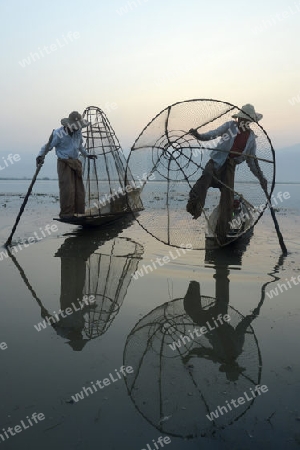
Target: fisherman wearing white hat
(68,143)
(237,142)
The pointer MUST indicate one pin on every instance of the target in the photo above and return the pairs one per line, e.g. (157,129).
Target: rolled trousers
(223,179)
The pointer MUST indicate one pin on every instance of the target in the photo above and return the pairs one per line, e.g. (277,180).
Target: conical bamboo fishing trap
(174,160)
(107,195)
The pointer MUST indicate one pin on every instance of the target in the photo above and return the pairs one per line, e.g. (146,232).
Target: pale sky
(134,62)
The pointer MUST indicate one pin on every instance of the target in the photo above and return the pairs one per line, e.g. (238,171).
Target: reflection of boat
(97,265)
(108,196)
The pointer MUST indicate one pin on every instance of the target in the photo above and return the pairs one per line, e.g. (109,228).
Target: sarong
(209,178)
(71,188)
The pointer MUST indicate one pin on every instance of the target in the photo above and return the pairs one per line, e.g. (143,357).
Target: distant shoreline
(153,181)
(28,179)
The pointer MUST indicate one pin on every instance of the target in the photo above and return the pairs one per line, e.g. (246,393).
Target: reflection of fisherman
(68,142)
(70,326)
(237,142)
(74,253)
(226,341)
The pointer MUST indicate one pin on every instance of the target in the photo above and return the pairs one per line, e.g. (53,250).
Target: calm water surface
(134,323)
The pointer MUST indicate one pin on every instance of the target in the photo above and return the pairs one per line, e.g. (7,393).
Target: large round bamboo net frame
(174,160)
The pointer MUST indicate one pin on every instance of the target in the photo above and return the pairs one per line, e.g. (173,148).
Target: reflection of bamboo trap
(175,389)
(98,267)
(100,264)
(108,274)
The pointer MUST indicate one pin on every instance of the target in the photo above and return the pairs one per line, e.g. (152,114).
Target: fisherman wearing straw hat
(68,143)
(237,142)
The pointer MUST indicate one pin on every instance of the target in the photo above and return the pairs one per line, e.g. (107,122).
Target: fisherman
(237,142)
(68,142)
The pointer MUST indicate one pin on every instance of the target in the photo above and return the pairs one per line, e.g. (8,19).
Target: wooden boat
(86,220)
(244,218)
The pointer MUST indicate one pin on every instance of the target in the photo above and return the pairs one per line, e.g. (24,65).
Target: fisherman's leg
(66,180)
(79,194)
(193,306)
(198,192)
(226,200)
(72,268)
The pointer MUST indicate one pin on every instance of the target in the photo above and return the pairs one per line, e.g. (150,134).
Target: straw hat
(74,120)
(248,112)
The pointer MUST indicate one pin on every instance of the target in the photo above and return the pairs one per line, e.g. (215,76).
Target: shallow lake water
(116,347)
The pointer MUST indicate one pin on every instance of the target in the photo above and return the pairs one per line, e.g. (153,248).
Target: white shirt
(228,132)
(66,146)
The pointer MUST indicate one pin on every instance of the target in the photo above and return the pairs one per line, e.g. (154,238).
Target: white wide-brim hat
(74,120)
(248,112)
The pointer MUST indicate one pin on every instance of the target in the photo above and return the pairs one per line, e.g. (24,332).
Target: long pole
(44,311)
(279,235)
(8,242)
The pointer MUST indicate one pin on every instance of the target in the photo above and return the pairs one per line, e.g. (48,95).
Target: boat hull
(241,224)
(92,220)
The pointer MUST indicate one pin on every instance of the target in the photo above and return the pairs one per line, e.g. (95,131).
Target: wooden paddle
(8,242)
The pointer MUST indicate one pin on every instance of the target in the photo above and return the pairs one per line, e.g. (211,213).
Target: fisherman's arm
(254,167)
(220,131)
(83,151)
(47,148)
